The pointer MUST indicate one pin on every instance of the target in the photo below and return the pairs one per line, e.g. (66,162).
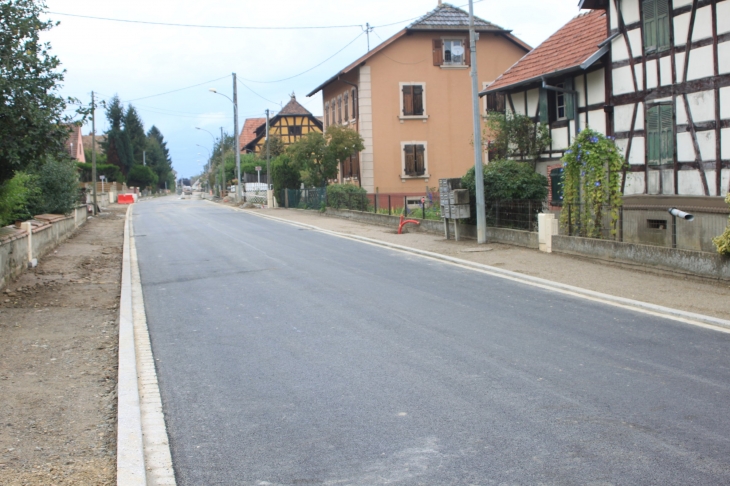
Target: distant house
(290,124)
(100,139)
(654,73)
(74,144)
(410,99)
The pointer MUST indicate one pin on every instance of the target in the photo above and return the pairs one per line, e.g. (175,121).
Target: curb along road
(143,451)
(701,320)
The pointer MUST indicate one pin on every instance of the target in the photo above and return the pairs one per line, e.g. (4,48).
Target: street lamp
(238,140)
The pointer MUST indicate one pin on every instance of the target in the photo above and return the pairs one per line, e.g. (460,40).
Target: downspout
(357,122)
(575,102)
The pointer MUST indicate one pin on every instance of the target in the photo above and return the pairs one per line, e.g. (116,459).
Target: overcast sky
(138,61)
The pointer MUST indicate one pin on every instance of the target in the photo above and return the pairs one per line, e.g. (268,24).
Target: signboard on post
(454,203)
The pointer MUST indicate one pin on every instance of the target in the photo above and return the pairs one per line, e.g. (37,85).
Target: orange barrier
(125,199)
(404,222)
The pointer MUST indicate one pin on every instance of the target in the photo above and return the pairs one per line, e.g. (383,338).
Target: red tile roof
(568,48)
(248,132)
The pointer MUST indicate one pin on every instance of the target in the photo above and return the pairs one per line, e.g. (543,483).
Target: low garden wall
(497,235)
(48,231)
(700,263)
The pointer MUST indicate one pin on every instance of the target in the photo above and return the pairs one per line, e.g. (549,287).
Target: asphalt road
(291,357)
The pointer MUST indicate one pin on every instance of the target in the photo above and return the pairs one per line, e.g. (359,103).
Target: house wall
(446,129)
(693,76)
(280,128)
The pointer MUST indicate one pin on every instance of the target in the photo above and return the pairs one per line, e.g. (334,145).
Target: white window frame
(401,116)
(453,65)
(558,94)
(403,175)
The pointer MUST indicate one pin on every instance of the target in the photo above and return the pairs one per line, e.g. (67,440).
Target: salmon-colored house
(410,98)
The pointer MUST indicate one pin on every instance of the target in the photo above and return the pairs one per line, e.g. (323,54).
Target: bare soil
(688,293)
(58,361)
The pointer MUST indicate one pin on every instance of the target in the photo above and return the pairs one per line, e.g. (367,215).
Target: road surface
(288,356)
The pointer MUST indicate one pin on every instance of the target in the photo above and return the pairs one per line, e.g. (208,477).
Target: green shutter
(544,106)
(653,138)
(666,123)
(569,98)
(650,24)
(662,24)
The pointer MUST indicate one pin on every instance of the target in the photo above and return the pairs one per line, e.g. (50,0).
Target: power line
(254,92)
(313,67)
(176,90)
(199,26)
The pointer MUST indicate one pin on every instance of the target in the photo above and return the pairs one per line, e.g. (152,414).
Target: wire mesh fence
(520,215)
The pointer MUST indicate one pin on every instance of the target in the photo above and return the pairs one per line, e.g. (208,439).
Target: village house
(410,99)
(290,124)
(654,74)
(74,144)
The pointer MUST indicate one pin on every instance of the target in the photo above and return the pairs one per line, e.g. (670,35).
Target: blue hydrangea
(598,183)
(594,139)
(568,151)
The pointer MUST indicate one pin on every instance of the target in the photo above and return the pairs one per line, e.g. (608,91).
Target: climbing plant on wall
(722,242)
(591,184)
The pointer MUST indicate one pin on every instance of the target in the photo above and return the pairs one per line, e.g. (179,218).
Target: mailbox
(454,199)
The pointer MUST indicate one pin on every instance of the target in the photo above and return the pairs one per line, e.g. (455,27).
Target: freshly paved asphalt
(289,357)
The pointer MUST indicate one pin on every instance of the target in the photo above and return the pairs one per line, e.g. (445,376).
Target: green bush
(346,196)
(722,242)
(141,176)
(16,195)
(58,186)
(508,180)
(110,171)
(285,174)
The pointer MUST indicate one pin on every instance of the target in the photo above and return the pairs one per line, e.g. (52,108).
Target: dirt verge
(58,361)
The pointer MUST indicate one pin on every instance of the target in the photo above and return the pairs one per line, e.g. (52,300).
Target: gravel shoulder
(58,361)
(703,296)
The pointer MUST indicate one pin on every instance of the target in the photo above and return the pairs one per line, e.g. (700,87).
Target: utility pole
(268,152)
(238,140)
(93,148)
(478,167)
(367,33)
(144,158)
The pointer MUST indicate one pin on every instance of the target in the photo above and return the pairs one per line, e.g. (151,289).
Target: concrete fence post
(28,227)
(547,226)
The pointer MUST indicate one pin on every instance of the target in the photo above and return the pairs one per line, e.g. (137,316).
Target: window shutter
(354,103)
(438,52)
(347,106)
(410,159)
(467,53)
(420,160)
(662,24)
(650,24)
(418,100)
(569,111)
(666,134)
(407,100)
(544,118)
(653,151)
(327,114)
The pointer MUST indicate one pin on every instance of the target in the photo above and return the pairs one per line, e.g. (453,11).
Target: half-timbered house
(290,124)
(653,73)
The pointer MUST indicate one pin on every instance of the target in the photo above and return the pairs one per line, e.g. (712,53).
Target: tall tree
(158,157)
(31,112)
(117,146)
(134,130)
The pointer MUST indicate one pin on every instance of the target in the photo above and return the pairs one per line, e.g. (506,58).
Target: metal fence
(646,225)
(520,215)
(304,198)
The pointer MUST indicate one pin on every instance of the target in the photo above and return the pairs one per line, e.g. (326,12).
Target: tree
(515,135)
(319,155)
(118,147)
(284,173)
(134,130)
(32,120)
(141,176)
(276,148)
(57,180)
(342,142)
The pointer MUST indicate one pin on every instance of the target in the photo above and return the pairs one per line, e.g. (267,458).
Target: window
(327,114)
(347,109)
(351,166)
(414,159)
(339,109)
(295,130)
(412,99)
(656,25)
(556,186)
(332,104)
(454,51)
(354,104)
(660,134)
(495,102)
(560,102)
(557,105)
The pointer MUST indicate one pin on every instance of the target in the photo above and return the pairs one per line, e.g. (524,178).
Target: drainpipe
(575,102)
(357,122)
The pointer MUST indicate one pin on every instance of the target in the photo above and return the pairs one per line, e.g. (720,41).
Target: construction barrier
(125,199)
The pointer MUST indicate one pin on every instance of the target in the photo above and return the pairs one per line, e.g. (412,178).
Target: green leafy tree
(342,142)
(141,176)
(32,120)
(285,174)
(100,156)
(276,147)
(16,195)
(513,135)
(591,183)
(508,180)
(316,164)
(57,180)
(118,147)
(110,171)
(134,130)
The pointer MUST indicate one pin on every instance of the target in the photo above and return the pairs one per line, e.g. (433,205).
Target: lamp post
(235,134)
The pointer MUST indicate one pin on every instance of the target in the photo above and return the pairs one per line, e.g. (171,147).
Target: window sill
(413,117)
(454,66)
(404,178)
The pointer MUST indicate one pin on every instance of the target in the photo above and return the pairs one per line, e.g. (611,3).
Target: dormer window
(454,51)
